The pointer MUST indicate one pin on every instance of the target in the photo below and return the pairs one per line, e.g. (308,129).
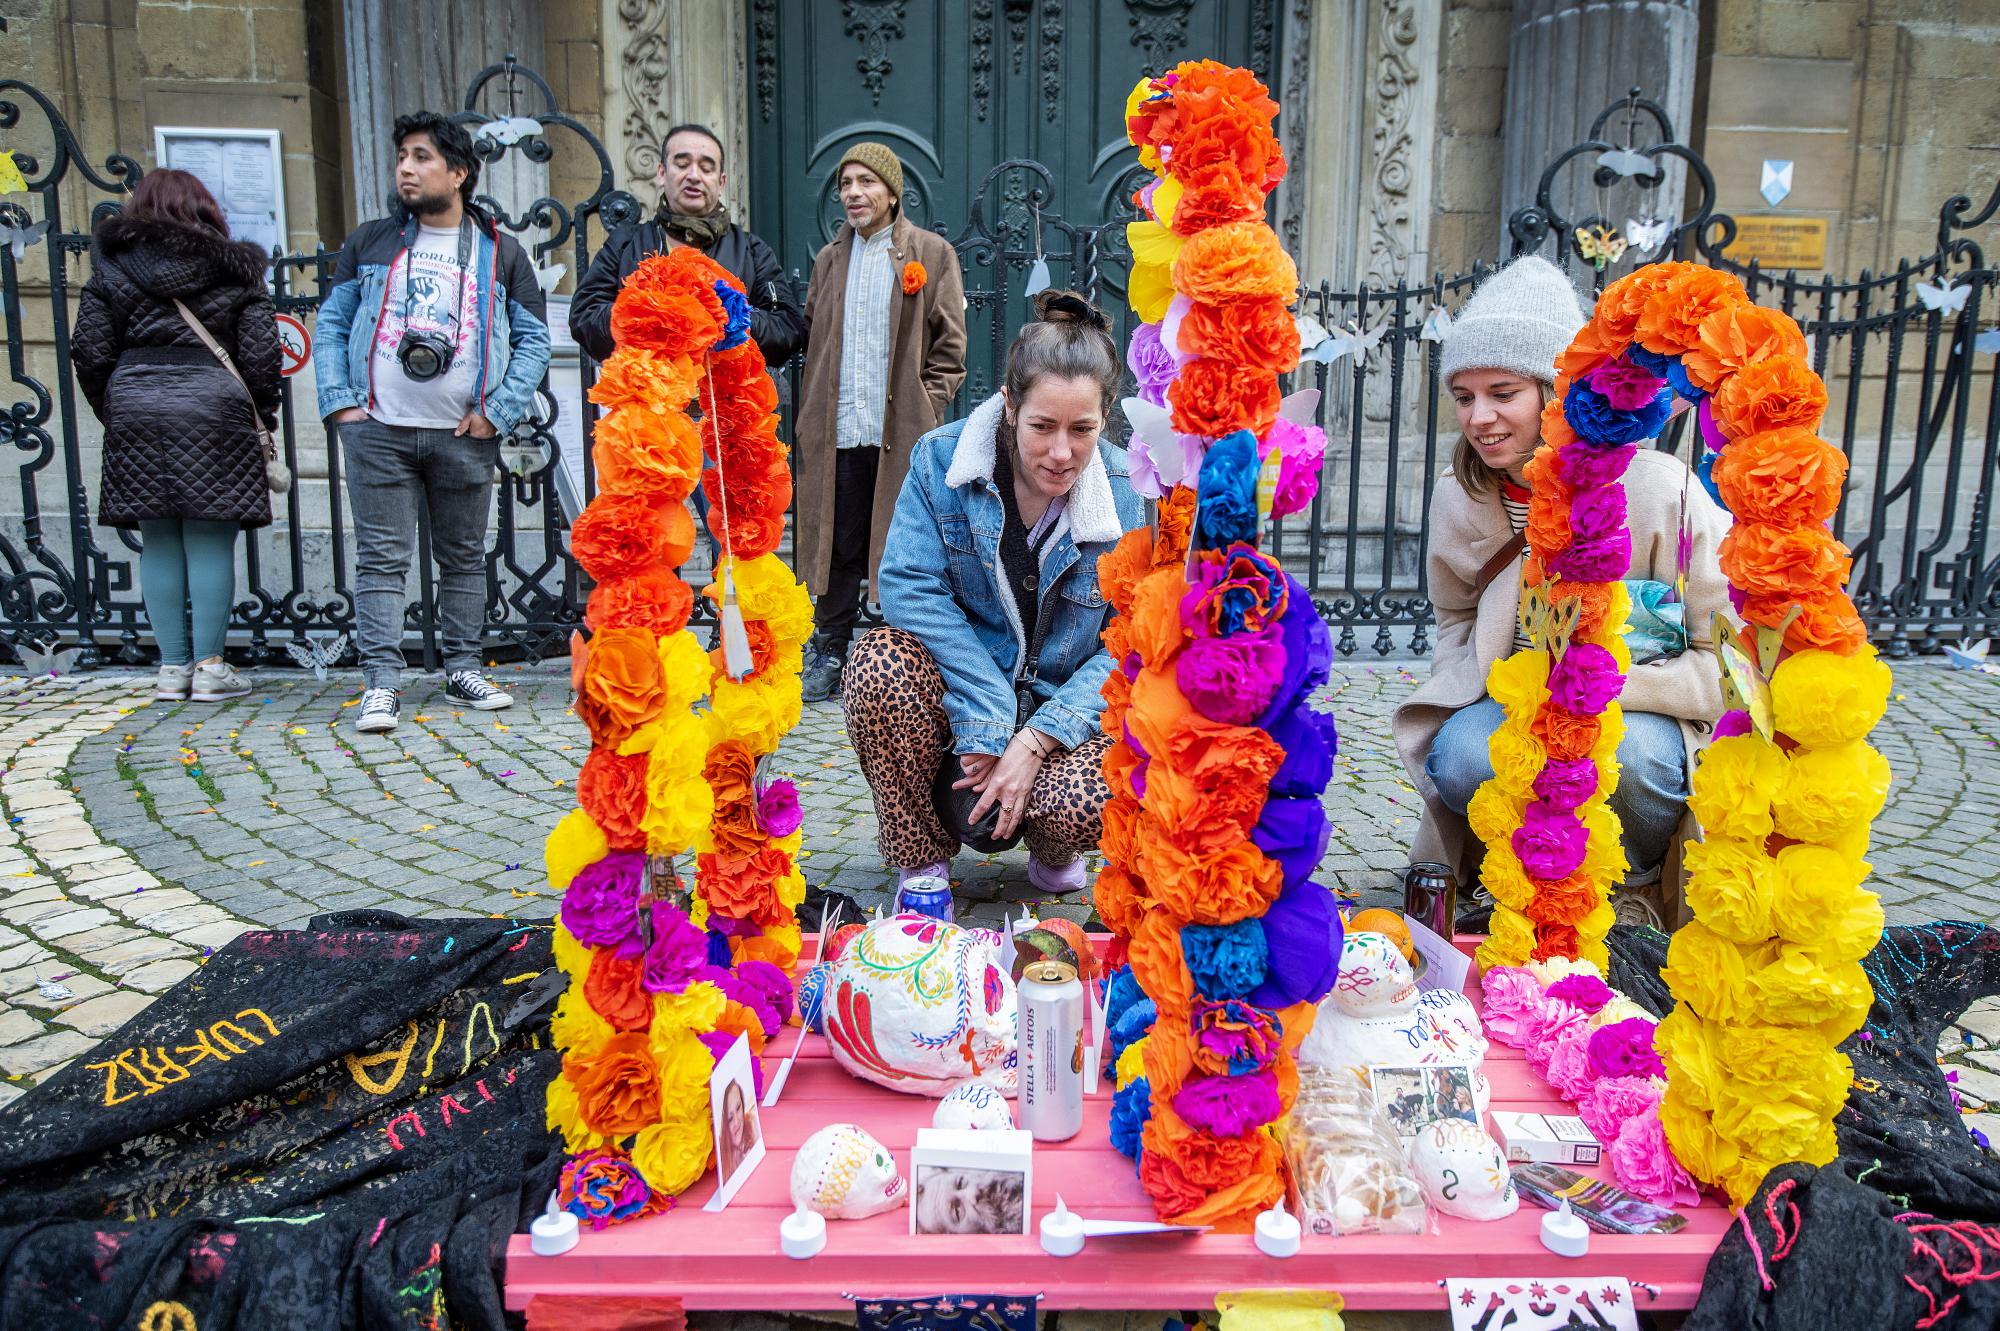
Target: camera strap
(465,234)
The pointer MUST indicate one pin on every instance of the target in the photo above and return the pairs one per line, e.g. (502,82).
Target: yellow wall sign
(1778,242)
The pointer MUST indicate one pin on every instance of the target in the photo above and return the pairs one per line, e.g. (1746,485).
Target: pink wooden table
(732,1261)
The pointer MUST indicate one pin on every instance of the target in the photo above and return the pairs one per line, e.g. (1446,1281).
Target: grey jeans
(393,471)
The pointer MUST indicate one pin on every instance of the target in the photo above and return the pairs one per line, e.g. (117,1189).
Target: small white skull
(845,1174)
(973,1105)
(1462,1171)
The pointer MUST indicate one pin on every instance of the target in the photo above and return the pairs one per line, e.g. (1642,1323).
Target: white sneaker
(217,681)
(379,709)
(173,682)
(468,688)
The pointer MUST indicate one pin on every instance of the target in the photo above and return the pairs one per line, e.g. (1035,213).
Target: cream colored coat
(1474,631)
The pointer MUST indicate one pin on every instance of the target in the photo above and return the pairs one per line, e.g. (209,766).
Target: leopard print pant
(894,696)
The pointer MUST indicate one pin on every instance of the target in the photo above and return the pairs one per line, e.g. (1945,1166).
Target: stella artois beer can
(1051,1031)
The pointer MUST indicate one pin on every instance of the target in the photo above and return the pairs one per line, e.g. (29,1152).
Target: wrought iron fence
(1916,406)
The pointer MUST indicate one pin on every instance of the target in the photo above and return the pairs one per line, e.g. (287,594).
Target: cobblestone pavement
(142,834)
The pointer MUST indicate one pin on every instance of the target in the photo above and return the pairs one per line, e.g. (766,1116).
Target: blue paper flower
(1704,468)
(1130,1108)
(1120,992)
(1132,1026)
(1652,362)
(1677,379)
(1227,510)
(1596,421)
(1225,960)
(737,306)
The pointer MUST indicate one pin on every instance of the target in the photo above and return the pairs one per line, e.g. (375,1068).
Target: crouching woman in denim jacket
(975,711)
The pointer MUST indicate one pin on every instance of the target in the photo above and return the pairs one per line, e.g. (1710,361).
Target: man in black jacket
(691,212)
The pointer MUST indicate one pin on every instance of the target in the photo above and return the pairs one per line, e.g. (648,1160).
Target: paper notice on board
(249,176)
(200,158)
(1445,966)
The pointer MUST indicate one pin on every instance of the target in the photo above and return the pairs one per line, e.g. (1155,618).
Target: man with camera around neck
(428,350)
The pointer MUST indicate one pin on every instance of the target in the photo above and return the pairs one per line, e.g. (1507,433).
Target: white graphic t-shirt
(426,280)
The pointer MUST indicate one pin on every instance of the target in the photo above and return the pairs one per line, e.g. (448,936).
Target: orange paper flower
(1782,477)
(1226,263)
(1592,347)
(613,990)
(1117,902)
(1620,304)
(620,686)
(644,452)
(730,773)
(1213,398)
(1158,967)
(1803,564)
(914,278)
(1830,625)
(618,1090)
(612,790)
(1740,335)
(1256,333)
(1174,515)
(1673,314)
(655,601)
(618,535)
(1779,394)
(1120,568)
(746,889)
(1567,738)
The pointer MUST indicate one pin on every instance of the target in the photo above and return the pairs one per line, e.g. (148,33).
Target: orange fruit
(1377,920)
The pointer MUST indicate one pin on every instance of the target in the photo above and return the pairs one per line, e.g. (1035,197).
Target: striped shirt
(864,342)
(1514,499)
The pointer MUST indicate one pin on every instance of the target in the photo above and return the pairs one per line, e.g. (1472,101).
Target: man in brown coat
(885,352)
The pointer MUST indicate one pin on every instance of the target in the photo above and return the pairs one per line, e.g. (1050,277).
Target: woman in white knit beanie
(1499,366)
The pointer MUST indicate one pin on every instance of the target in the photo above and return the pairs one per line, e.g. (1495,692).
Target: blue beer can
(925,895)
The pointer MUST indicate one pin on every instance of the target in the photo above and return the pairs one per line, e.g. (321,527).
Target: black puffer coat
(179,437)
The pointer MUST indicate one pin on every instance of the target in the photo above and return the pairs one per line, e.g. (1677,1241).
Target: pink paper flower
(1232,679)
(1569,1064)
(1512,995)
(1595,514)
(1585,680)
(1625,1049)
(1645,1163)
(1586,467)
(1229,1106)
(1581,991)
(1566,784)
(1542,1028)
(1612,1100)
(778,811)
(1302,452)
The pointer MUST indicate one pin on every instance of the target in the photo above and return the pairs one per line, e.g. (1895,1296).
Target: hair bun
(1069,307)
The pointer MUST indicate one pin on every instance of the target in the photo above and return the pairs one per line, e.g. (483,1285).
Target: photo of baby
(954,1199)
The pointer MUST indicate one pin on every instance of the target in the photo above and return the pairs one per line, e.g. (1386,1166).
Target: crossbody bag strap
(1497,565)
(229,364)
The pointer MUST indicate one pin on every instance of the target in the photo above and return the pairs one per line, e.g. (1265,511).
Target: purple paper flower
(718,1043)
(601,906)
(1152,365)
(1613,1100)
(1232,679)
(1585,679)
(1302,452)
(778,811)
(1586,468)
(1565,784)
(1732,723)
(678,953)
(1549,841)
(1581,990)
(1711,433)
(773,988)
(1624,385)
(1228,1106)
(1625,1049)
(1605,560)
(1597,514)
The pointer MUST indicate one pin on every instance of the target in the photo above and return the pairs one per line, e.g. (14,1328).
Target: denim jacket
(941,580)
(513,321)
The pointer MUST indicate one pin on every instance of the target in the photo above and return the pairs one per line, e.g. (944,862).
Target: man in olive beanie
(885,353)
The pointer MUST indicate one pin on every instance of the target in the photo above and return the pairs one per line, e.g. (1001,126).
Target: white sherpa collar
(1093,514)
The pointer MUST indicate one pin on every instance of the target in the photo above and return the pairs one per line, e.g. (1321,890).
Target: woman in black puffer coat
(182,459)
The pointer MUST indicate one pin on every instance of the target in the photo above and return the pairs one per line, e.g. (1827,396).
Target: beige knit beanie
(1520,319)
(881,161)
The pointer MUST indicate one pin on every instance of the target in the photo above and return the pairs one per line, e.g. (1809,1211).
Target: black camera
(424,356)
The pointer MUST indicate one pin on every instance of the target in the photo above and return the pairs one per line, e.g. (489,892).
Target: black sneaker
(821,678)
(378,711)
(468,688)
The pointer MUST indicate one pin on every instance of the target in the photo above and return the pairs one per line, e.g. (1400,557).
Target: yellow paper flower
(573,957)
(671,1155)
(1493,814)
(1730,887)
(685,1067)
(1150,287)
(1735,780)
(1769,1129)
(1701,1150)
(1518,758)
(684,670)
(1829,792)
(766,589)
(1519,683)
(695,1008)
(1708,971)
(1822,700)
(1794,989)
(1149,156)
(1510,939)
(1132,1063)
(575,841)
(758,711)
(1819,902)
(1593,927)
(577,1028)
(563,1115)
(1503,875)
(1772,1059)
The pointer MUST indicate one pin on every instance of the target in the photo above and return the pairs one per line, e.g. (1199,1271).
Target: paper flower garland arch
(656,993)
(1767,978)
(1214,826)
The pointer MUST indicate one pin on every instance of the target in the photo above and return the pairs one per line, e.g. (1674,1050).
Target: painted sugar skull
(974,1105)
(1462,1171)
(919,1005)
(1376,1015)
(845,1174)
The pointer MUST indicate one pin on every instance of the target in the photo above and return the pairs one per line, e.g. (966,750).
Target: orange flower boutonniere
(914,278)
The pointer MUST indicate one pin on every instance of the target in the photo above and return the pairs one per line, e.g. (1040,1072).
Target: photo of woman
(954,1200)
(739,1130)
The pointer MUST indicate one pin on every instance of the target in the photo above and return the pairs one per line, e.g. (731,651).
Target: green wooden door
(958,88)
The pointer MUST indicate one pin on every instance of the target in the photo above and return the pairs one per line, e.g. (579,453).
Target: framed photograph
(970,1182)
(739,1136)
(1411,1095)
(243,168)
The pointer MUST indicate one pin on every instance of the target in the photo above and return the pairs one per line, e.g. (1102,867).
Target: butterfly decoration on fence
(509,130)
(1944,297)
(1749,659)
(1627,163)
(1647,234)
(1330,345)
(1437,324)
(547,275)
(54,662)
(1549,623)
(19,238)
(1600,245)
(1038,273)
(1987,343)
(316,654)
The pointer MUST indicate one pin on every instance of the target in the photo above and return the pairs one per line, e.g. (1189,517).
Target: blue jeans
(1652,791)
(187,578)
(392,471)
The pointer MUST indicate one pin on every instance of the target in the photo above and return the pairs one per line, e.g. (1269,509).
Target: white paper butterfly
(19,238)
(1348,341)
(55,661)
(547,275)
(1944,297)
(1625,162)
(316,654)
(1437,324)
(1647,233)
(509,130)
